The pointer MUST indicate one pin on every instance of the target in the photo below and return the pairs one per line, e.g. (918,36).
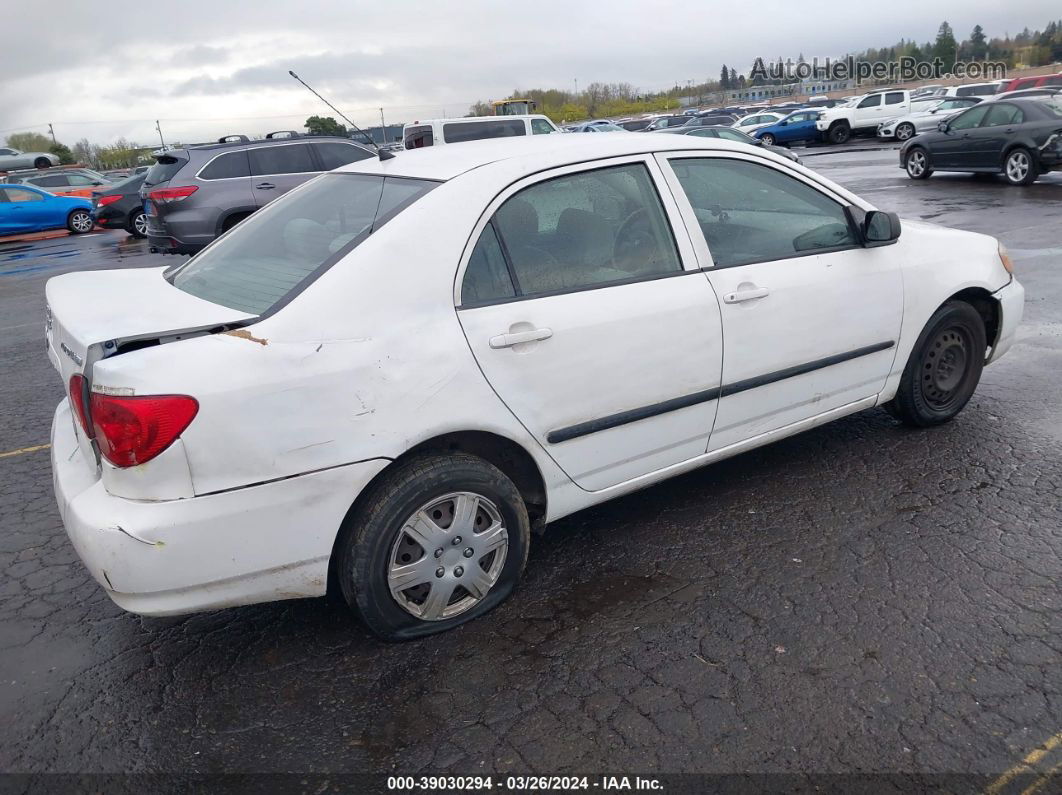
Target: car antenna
(383,155)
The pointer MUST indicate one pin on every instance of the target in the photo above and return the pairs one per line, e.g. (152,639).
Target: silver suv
(193,195)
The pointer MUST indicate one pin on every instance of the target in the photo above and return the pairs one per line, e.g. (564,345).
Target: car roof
(544,151)
(298,138)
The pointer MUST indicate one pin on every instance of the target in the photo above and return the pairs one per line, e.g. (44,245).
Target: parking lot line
(22,450)
(1034,756)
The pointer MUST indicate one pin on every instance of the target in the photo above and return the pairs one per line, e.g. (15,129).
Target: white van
(433,132)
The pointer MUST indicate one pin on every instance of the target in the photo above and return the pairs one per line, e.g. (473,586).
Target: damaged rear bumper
(255,544)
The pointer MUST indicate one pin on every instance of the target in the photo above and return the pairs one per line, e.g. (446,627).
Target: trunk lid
(92,315)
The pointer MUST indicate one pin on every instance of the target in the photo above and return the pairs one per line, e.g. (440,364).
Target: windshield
(265,258)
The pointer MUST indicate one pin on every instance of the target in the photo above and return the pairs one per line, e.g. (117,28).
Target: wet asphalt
(859,598)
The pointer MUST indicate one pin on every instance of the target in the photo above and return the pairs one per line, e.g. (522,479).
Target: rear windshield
(265,258)
(164,170)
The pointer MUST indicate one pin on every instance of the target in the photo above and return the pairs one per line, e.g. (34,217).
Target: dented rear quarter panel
(367,362)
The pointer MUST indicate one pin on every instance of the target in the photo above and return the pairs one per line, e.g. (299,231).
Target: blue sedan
(797,126)
(28,209)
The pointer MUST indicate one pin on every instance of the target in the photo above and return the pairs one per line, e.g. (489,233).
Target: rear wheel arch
(230,219)
(510,457)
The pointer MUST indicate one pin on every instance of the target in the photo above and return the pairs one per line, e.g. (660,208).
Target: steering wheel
(634,240)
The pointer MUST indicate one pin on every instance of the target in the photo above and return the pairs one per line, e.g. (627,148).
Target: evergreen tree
(978,48)
(945,47)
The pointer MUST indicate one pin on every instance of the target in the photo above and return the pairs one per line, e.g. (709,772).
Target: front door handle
(265,186)
(516,337)
(745,295)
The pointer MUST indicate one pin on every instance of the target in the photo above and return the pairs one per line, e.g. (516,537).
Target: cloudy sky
(209,68)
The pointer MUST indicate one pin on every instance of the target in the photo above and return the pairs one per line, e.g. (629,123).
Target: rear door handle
(745,295)
(516,337)
(265,186)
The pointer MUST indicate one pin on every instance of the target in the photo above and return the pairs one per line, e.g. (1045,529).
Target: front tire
(839,133)
(768,139)
(79,222)
(42,162)
(439,540)
(1019,167)
(944,368)
(905,131)
(917,164)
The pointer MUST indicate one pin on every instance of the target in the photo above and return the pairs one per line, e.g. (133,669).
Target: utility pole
(383,126)
(577,88)
(52,133)
(158,127)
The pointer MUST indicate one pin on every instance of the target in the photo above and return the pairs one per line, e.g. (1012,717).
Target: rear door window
(1003,113)
(230,165)
(22,195)
(266,257)
(288,159)
(458,132)
(334,154)
(894,98)
(577,231)
(53,181)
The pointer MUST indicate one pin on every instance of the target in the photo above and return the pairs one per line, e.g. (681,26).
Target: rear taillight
(103,201)
(77,398)
(133,430)
(165,195)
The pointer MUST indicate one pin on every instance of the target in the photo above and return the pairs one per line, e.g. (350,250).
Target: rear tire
(839,133)
(137,224)
(42,162)
(79,222)
(1019,167)
(406,531)
(944,368)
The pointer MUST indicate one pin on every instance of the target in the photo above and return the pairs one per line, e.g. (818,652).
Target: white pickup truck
(837,124)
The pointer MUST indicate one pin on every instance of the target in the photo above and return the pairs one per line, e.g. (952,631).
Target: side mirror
(880,227)
(942,126)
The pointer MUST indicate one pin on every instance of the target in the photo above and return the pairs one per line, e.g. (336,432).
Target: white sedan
(920,121)
(385,380)
(755,121)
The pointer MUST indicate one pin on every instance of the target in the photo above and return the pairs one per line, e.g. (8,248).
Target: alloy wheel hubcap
(140,224)
(916,164)
(81,222)
(447,556)
(904,132)
(1018,166)
(944,366)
